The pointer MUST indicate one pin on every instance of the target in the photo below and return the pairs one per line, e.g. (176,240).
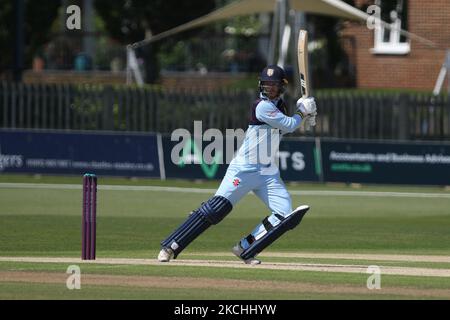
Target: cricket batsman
(249,171)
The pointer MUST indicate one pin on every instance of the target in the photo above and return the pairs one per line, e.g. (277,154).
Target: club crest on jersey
(272,113)
(236,182)
(269,72)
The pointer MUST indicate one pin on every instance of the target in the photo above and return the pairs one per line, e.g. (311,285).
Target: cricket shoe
(237,251)
(165,255)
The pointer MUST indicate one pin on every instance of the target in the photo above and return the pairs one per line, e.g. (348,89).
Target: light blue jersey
(254,166)
(261,142)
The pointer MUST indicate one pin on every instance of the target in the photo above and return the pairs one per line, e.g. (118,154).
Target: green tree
(330,63)
(39,16)
(129,21)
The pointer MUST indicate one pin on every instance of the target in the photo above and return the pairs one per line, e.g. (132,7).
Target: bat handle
(309,121)
(307,125)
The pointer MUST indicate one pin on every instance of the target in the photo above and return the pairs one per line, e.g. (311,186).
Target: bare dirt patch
(217,284)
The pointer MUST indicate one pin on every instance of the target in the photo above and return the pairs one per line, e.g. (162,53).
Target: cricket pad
(274,232)
(209,213)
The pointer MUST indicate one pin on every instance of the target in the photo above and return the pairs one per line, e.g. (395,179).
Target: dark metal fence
(384,116)
(345,115)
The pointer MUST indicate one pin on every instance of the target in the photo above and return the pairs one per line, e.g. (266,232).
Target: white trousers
(239,181)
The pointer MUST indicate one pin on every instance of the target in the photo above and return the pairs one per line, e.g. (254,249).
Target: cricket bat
(302,56)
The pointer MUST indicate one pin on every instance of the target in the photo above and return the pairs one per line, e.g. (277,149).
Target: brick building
(391,61)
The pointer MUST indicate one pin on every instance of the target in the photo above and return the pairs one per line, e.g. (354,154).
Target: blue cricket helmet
(273,73)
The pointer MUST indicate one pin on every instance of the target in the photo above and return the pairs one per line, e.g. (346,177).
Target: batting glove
(306,107)
(312,120)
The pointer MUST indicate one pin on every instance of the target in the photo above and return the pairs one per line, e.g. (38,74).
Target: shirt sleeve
(268,113)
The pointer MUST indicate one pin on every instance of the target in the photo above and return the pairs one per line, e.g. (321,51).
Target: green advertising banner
(381,162)
(298,160)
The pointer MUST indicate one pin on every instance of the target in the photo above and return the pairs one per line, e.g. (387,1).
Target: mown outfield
(403,230)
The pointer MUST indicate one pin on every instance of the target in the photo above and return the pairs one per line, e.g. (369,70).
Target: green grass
(131,224)
(49,221)
(55,291)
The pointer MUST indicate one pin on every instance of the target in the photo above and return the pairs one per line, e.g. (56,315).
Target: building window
(391,41)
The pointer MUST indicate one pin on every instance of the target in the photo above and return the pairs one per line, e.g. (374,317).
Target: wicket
(89,218)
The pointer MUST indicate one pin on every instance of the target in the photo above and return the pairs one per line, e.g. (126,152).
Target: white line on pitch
(212,191)
(410,271)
